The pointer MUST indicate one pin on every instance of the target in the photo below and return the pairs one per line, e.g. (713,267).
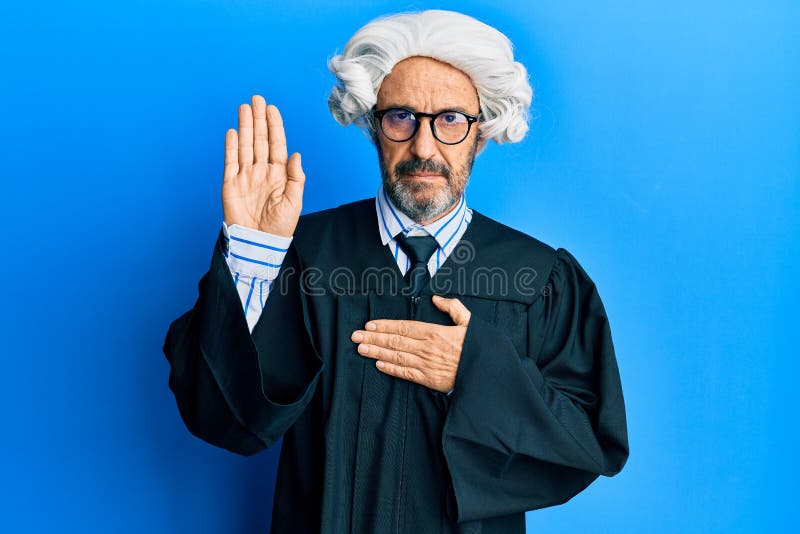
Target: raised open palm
(262,188)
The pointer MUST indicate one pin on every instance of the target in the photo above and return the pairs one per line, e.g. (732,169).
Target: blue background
(664,153)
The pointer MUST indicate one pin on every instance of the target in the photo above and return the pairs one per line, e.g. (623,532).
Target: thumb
(453,307)
(296,180)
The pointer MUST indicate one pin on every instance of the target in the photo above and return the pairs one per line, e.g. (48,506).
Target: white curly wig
(477,49)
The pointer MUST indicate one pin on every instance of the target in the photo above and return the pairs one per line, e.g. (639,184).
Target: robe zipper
(414,302)
(402,464)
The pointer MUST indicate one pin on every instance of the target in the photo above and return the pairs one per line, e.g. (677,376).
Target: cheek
(469,152)
(458,162)
(392,154)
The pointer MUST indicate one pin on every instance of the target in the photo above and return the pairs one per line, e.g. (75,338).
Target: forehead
(426,84)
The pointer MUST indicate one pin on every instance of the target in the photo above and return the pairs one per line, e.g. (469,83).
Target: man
(406,403)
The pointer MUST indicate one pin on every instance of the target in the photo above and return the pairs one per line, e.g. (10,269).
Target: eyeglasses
(401,124)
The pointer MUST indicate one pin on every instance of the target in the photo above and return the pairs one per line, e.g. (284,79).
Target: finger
(455,308)
(406,373)
(397,357)
(403,327)
(245,135)
(260,149)
(296,180)
(389,341)
(231,155)
(277,137)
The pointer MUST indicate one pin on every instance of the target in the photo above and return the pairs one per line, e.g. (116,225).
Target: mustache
(421,165)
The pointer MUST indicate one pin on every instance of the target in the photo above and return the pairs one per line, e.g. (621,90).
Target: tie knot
(418,248)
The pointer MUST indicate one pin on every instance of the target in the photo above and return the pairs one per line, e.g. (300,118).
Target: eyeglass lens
(449,126)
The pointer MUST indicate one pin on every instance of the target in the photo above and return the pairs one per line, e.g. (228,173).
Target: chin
(422,188)
(426,194)
(423,203)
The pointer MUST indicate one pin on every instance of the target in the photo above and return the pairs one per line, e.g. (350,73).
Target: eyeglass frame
(378,117)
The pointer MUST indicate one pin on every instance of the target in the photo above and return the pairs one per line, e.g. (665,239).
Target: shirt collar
(392,221)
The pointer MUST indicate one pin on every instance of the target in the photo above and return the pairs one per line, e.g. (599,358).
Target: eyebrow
(415,110)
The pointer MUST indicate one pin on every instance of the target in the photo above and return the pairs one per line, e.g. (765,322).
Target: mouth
(422,176)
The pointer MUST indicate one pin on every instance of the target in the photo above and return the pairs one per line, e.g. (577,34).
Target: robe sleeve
(235,390)
(526,431)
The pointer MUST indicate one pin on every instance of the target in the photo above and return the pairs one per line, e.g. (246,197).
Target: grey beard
(403,196)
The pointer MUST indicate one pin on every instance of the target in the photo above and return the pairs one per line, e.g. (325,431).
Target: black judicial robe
(537,413)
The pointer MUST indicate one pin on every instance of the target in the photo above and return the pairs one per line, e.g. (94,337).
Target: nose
(423,144)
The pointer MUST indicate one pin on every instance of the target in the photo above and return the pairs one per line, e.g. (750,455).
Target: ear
(482,141)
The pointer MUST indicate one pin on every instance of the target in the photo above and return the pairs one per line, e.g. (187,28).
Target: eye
(400,115)
(451,119)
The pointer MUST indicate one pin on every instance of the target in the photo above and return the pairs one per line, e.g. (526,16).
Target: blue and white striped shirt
(254,257)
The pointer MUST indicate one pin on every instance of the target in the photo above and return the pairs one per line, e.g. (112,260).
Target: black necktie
(419,250)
